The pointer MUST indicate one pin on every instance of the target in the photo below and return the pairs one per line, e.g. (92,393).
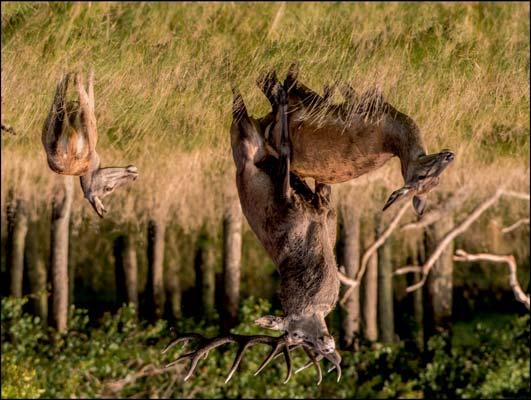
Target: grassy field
(163,94)
(163,100)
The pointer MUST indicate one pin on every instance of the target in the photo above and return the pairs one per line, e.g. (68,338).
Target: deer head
(100,182)
(297,228)
(422,174)
(310,329)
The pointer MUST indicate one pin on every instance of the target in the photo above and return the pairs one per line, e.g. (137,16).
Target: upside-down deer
(69,137)
(297,227)
(335,143)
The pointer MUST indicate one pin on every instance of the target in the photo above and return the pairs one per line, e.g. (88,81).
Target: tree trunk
(155,290)
(438,287)
(370,297)
(232,254)
(205,277)
(173,289)
(35,270)
(418,307)
(349,256)
(61,208)
(172,281)
(385,292)
(16,239)
(126,271)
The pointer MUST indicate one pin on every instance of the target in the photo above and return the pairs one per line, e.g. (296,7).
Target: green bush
(121,356)
(495,365)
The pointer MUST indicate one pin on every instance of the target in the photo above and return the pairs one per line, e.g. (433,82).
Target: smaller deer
(69,137)
(297,228)
(336,143)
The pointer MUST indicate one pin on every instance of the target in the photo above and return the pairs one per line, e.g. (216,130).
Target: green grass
(163,94)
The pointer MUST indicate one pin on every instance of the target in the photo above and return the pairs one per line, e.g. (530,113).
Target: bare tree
(380,240)
(172,279)
(386,324)
(126,271)
(519,294)
(348,254)
(61,208)
(232,252)
(438,288)
(16,239)
(205,274)
(452,234)
(370,296)
(155,254)
(35,270)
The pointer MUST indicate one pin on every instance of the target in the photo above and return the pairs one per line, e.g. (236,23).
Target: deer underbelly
(332,156)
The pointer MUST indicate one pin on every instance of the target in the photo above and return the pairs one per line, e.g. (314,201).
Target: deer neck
(308,286)
(94,166)
(401,136)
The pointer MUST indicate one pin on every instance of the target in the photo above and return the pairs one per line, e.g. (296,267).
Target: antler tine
(335,358)
(274,351)
(292,347)
(244,342)
(197,354)
(248,342)
(288,362)
(314,361)
(185,338)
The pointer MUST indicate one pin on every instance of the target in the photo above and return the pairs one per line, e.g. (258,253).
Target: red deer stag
(297,227)
(336,143)
(69,137)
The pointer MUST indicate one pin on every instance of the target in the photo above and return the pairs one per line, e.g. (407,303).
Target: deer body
(297,231)
(69,137)
(336,143)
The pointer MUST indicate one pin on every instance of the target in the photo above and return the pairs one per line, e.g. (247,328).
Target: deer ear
(271,322)
(419,203)
(396,195)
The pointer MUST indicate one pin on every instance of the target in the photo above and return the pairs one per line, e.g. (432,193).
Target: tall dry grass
(461,71)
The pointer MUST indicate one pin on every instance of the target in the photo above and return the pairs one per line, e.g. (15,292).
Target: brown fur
(69,137)
(295,225)
(336,143)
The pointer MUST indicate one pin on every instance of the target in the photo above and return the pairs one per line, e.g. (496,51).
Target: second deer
(70,136)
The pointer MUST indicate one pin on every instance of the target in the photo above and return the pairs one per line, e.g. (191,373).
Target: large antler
(280,345)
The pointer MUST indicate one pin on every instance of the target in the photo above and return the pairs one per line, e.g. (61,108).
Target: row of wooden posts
(369,310)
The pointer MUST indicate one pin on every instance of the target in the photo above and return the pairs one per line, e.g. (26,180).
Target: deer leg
(285,143)
(54,122)
(87,115)
(267,83)
(294,87)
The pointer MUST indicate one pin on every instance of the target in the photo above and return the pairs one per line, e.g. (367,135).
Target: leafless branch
(461,255)
(117,386)
(353,283)
(407,269)
(518,195)
(459,229)
(518,223)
